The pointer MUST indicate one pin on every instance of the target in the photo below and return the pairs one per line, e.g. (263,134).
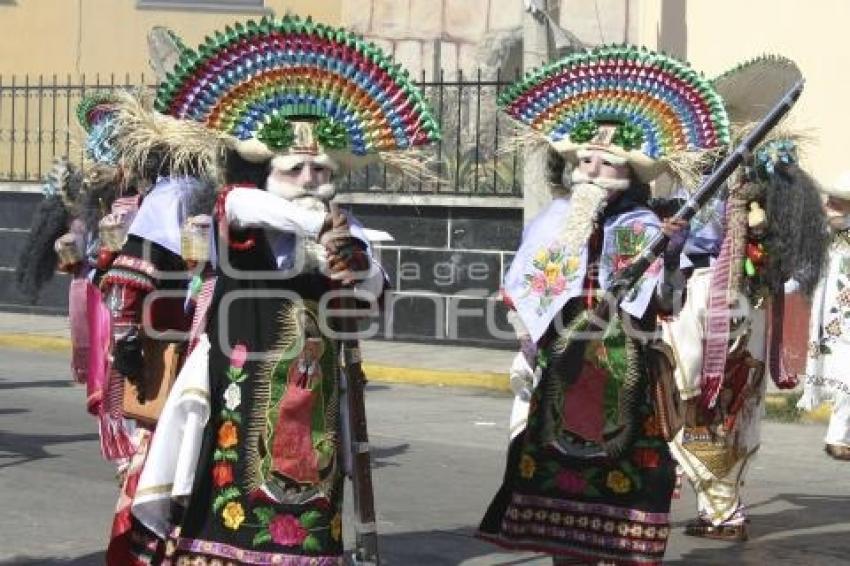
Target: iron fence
(38,123)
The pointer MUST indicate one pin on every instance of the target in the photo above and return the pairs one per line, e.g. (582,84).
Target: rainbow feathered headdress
(258,84)
(647,107)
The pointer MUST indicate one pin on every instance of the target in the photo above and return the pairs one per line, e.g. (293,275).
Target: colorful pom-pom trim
(664,105)
(239,80)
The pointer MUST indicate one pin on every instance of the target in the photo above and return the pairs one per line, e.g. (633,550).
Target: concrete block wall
(445,267)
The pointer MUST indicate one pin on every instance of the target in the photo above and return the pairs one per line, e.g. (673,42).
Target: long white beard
(314,199)
(586,202)
(587,199)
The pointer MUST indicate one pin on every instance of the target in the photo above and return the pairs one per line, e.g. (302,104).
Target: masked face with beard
(598,178)
(304,179)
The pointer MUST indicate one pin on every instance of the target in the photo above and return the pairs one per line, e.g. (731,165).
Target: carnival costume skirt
(578,485)
(268,488)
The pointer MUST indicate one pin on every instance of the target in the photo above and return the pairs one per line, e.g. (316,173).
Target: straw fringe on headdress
(146,139)
(257,83)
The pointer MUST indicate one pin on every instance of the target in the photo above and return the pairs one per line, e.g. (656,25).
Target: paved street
(438,459)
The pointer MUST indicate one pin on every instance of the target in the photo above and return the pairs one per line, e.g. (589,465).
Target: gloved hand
(521,377)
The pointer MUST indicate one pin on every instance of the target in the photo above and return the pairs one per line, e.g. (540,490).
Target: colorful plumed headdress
(292,85)
(651,109)
(96,114)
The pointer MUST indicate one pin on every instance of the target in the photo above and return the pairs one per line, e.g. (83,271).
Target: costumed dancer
(590,477)
(827,372)
(246,465)
(76,229)
(727,339)
(146,290)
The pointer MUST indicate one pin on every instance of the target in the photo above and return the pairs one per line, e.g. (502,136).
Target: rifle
(629,276)
(356,436)
(600,317)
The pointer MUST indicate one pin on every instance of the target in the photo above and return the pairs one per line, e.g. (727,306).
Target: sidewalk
(439,365)
(397,362)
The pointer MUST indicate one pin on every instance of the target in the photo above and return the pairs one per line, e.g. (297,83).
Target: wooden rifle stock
(353,385)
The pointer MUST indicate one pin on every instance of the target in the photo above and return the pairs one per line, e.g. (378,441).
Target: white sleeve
(254,208)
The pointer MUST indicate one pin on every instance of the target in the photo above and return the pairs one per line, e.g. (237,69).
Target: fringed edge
(688,167)
(115,442)
(188,148)
(782,131)
(416,164)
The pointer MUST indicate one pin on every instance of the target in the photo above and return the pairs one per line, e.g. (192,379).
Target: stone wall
(429,35)
(467,35)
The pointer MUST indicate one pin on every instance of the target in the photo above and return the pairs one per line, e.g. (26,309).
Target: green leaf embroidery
(261,537)
(311,544)
(264,514)
(309,519)
(233,373)
(228,455)
(225,495)
(229,415)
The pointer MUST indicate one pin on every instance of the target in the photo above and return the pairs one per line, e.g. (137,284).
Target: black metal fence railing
(38,123)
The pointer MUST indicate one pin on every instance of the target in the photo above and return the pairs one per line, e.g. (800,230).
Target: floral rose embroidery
(538,284)
(286,530)
(550,272)
(232,396)
(238,355)
(222,474)
(227,435)
(233,515)
(570,481)
(618,482)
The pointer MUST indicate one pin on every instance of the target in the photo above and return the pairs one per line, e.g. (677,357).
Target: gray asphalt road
(438,460)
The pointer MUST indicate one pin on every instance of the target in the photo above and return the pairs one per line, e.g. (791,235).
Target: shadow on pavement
(95,558)
(31,447)
(53,383)
(815,531)
(382,455)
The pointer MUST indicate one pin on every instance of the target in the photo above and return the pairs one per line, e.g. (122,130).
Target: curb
(778,404)
(36,342)
(375,372)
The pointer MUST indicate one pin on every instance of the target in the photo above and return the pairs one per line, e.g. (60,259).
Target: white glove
(521,377)
(315,256)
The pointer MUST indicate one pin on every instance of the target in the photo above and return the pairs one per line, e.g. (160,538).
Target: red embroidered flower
(238,356)
(646,458)
(286,530)
(222,474)
(570,481)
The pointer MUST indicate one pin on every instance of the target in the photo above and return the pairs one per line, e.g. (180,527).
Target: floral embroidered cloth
(829,332)
(545,274)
